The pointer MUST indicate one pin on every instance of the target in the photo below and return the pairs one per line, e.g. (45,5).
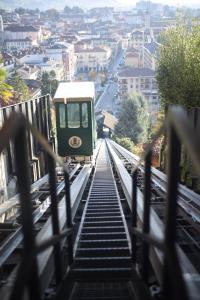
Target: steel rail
(45,259)
(186,196)
(160,177)
(156,229)
(13,240)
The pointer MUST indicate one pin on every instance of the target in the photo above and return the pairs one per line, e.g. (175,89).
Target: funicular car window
(73,115)
(62,118)
(84,115)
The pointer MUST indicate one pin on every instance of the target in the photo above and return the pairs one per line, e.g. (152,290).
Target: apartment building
(15,32)
(63,53)
(140,80)
(139,37)
(132,58)
(149,54)
(96,59)
(19,44)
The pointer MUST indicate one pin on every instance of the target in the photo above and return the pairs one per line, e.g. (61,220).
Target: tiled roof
(19,40)
(18,28)
(132,54)
(136,72)
(152,47)
(97,49)
(132,49)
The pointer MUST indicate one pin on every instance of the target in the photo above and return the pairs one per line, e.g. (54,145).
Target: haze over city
(85,4)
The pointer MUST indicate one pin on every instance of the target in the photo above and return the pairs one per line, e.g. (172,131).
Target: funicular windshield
(73,115)
(77,115)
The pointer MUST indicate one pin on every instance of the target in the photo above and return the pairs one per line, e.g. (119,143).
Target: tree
(5,89)
(178,72)
(77,10)
(21,91)
(133,119)
(52,13)
(48,83)
(67,10)
(125,142)
(20,10)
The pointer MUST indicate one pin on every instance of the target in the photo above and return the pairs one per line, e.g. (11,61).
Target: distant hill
(43,5)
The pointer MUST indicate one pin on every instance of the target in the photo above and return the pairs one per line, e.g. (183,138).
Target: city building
(132,58)
(19,44)
(96,59)
(149,54)
(19,32)
(143,81)
(28,72)
(63,53)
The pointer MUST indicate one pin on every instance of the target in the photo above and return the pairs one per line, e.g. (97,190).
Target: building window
(73,115)
(84,115)
(131,86)
(62,119)
(124,81)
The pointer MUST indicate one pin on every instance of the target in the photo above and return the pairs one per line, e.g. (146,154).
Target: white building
(52,65)
(139,37)
(63,53)
(93,59)
(140,80)
(28,72)
(19,32)
(44,64)
(19,44)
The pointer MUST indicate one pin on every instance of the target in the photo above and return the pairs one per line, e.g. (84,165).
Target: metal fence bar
(69,217)
(170,290)
(134,216)
(146,216)
(22,168)
(55,221)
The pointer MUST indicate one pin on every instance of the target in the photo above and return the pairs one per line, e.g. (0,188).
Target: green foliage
(125,142)
(73,10)
(178,72)
(52,13)
(21,91)
(48,83)
(133,119)
(5,89)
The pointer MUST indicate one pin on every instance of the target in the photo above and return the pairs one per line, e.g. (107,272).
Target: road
(107,101)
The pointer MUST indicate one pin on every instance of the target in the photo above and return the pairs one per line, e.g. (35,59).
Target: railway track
(102,246)
(188,200)
(188,226)
(10,245)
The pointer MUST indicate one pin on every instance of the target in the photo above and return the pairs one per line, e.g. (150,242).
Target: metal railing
(16,129)
(179,132)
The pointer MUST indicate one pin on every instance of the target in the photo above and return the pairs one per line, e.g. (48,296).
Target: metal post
(173,288)
(146,215)
(134,215)
(22,169)
(55,222)
(69,217)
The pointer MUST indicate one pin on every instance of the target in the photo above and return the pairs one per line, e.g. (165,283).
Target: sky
(168,2)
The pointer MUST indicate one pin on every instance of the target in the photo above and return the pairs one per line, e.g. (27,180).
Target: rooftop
(19,28)
(71,90)
(152,47)
(136,72)
(96,49)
